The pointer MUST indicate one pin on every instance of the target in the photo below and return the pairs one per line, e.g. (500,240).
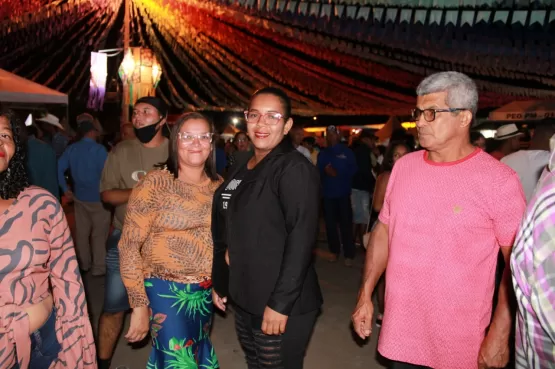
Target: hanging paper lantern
(141,71)
(127,66)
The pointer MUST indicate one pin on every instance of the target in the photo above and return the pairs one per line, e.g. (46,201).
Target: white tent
(15,89)
(524,110)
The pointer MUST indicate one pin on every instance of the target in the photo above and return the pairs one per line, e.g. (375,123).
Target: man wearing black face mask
(127,163)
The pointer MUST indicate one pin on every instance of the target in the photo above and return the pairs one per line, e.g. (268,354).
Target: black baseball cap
(366,134)
(156,102)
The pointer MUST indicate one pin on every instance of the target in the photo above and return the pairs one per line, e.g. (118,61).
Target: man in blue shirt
(85,160)
(41,163)
(337,167)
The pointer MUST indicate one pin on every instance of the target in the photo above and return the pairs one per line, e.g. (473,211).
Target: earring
(8,174)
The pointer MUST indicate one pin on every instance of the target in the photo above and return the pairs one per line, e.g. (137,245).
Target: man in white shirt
(296,134)
(529,164)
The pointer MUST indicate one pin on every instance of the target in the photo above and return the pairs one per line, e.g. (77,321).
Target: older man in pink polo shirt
(448,210)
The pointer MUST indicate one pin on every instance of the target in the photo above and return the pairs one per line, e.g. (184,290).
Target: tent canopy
(524,110)
(16,89)
(387,130)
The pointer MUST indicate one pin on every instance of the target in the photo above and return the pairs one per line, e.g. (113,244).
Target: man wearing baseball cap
(85,160)
(337,166)
(127,163)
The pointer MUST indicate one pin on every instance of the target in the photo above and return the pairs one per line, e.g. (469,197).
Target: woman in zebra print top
(44,321)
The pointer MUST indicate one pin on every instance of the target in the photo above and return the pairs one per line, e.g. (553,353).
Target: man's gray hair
(462,92)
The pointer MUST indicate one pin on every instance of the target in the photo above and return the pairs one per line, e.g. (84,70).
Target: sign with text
(531,115)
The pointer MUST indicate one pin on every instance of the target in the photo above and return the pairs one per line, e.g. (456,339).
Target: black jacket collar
(284,147)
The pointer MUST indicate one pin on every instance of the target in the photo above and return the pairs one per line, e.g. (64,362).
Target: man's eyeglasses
(430,114)
(188,138)
(270,118)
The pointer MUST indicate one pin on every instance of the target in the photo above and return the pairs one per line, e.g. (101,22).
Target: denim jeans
(115,294)
(44,345)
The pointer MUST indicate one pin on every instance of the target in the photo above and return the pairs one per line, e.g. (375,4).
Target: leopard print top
(166,233)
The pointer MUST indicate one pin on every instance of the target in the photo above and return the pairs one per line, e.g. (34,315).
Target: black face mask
(147,133)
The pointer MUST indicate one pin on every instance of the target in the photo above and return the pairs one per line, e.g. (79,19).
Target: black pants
(401,365)
(338,212)
(285,351)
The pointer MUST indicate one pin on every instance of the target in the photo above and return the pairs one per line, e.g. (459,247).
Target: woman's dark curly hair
(14,179)
(387,164)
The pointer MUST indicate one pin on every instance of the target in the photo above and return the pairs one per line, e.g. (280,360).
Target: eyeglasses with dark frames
(430,114)
(270,118)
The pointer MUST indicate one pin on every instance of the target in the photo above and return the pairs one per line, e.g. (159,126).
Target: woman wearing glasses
(166,250)
(243,152)
(265,215)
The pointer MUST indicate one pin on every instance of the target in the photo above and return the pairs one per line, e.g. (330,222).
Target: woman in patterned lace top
(44,321)
(166,250)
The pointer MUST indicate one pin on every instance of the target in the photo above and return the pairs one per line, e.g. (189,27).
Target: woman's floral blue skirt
(180,322)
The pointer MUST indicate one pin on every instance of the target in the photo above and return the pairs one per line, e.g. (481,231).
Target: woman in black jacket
(265,215)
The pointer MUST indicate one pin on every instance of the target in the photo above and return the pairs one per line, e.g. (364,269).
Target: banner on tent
(524,110)
(517,116)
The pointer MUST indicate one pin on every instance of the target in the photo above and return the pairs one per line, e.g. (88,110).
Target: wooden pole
(126,43)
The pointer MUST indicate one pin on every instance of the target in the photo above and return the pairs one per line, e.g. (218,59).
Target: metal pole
(126,42)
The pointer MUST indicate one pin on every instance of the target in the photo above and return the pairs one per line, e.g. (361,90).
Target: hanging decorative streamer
(475,42)
(246,21)
(311,86)
(227,35)
(329,58)
(78,26)
(97,89)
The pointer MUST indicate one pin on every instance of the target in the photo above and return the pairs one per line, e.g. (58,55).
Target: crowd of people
(179,223)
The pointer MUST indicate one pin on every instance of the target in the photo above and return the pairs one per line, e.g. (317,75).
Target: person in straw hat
(55,132)
(508,141)
(530,163)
